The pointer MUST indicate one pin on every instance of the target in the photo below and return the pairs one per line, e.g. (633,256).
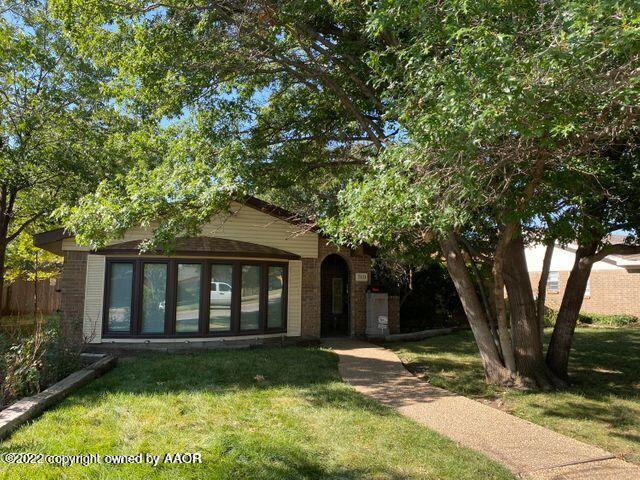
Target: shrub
(31,362)
(584,318)
(607,320)
(550,316)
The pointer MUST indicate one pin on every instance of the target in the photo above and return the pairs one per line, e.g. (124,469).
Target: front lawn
(602,408)
(263,413)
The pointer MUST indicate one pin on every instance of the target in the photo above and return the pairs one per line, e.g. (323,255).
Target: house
(252,276)
(614,284)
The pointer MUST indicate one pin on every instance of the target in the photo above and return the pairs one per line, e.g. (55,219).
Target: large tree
(55,124)
(432,123)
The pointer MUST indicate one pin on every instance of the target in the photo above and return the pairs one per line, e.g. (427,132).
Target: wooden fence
(18,298)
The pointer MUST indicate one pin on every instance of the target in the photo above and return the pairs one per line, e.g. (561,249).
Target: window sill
(173,339)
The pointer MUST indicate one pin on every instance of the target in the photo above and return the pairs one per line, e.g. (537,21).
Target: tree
(429,123)
(54,122)
(609,202)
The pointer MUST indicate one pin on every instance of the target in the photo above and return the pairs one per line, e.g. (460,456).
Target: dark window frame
(205,297)
(106,300)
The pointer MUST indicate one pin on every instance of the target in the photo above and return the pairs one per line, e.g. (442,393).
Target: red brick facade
(358,262)
(610,291)
(72,283)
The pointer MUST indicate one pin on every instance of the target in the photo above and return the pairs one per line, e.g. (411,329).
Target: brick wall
(610,292)
(310,298)
(72,283)
(358,262)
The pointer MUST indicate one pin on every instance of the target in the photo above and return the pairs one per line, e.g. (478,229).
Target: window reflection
(120,294)
(220,297)
(188,297)
(154,297)
(275,296)
(250,298)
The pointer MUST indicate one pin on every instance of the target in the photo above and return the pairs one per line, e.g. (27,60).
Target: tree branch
(619,249)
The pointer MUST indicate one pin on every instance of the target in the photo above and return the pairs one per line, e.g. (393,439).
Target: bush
(584,318)
(607,320)
(433,303)
(550,316)
(30,363)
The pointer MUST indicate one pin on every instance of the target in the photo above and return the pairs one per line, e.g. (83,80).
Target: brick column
(72,284)
(310,298)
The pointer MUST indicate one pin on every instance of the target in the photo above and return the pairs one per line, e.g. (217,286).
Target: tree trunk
(506,343)
(529,355)
(494,370)
(3,257)
(483,295)
(542,286)
(560,344)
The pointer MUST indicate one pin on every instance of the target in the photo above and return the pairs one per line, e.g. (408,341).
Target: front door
(335,296)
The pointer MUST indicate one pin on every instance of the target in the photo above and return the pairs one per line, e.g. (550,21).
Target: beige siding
(294,299)
(94,291)
(245,224)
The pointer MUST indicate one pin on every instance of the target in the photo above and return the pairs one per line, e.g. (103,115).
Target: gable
(245,223)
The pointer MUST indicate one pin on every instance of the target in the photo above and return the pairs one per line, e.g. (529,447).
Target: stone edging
(30,407)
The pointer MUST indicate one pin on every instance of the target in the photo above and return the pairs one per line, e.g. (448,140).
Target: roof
(44,238)
(619,259)
(204,246)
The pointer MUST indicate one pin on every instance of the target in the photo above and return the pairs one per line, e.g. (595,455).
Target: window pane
(120,293)
(250,298)
(154,297)
(220,298)
(188,297)
(552,282)
(275,297)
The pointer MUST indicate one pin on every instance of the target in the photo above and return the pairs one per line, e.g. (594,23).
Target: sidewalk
(528,450)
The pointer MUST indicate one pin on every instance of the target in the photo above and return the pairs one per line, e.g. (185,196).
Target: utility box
(377,313)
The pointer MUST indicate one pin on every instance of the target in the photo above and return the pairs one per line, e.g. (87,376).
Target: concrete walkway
(528,450)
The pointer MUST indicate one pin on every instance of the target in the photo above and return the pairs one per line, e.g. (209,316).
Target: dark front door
(335,296)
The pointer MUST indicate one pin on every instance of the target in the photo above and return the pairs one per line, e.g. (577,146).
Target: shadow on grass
(237,457)
(604,369)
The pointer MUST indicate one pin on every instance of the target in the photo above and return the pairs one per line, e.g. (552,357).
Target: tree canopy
(411,123)
(59,134)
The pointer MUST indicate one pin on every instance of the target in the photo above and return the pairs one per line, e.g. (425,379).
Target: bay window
(187,297)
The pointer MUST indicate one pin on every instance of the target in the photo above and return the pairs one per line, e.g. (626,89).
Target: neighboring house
(614,284)
(252,276)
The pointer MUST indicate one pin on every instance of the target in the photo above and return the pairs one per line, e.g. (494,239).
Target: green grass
(601,408)
(263,413)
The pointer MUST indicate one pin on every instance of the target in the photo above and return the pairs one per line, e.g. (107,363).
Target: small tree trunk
(562,336)
(494,370)
(3,258)
(542,286)
(483,294)
(529,356)
(506,344)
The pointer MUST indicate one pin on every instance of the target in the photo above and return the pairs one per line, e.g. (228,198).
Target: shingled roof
(204,246)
